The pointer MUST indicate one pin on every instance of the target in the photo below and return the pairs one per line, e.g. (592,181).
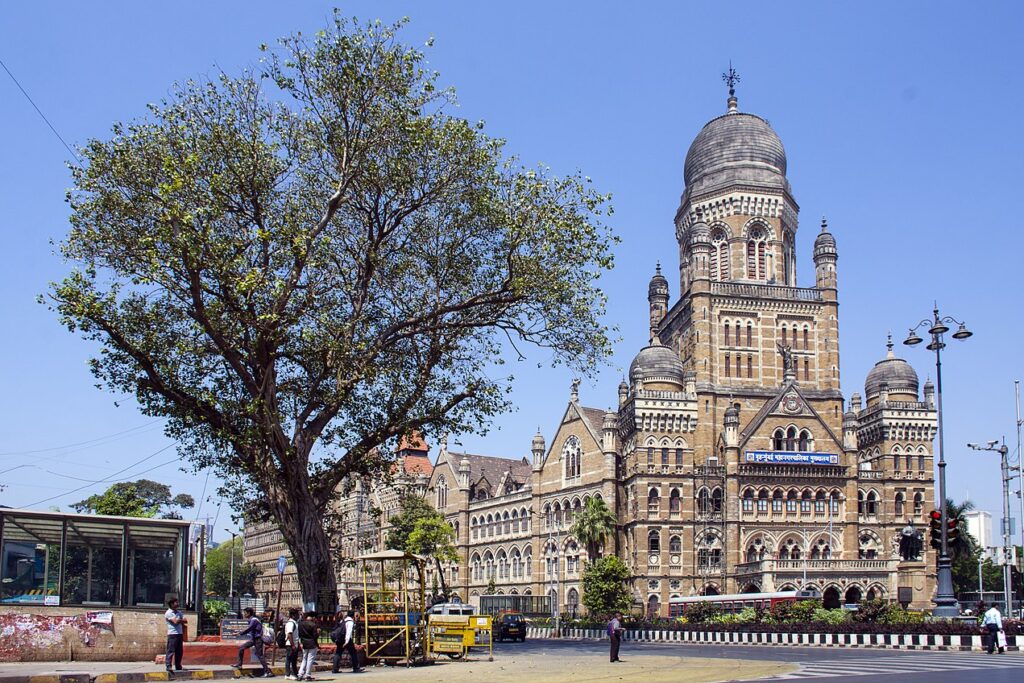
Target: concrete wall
(30,633)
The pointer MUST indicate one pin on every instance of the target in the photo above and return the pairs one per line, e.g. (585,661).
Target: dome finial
(657,267)
(731,78)
(824,224)
(888,345)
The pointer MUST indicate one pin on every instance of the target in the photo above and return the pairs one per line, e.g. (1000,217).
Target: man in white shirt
(348,642)
(993,622)
(175,635)
(291,645)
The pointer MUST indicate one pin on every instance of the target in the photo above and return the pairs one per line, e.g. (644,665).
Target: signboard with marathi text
(791,458)
(231,629)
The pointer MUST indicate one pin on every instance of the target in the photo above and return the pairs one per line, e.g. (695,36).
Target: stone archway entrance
(751,588)
(853,595)
(830,598)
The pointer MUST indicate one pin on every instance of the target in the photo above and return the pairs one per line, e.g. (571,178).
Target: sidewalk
(510,667)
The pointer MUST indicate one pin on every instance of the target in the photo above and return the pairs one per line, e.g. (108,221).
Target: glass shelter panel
(30,561)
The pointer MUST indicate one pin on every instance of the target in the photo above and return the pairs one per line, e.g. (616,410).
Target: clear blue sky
(900,121)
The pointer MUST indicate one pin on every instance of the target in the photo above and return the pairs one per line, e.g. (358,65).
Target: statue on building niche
(911,542)
(786,351)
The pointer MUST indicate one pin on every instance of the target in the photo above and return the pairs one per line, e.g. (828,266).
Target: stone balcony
(758,291)
(798,566)
(792,471)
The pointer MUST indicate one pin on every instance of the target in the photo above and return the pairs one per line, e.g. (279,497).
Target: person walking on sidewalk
(993,622)
(253,634)
(291,645)
(175,635)
(309,635)
(615,630)
(348,640)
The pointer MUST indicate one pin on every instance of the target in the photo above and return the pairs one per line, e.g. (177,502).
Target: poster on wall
(105,618)
(52,601)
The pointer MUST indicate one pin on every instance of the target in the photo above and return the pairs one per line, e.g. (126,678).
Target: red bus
(735,602)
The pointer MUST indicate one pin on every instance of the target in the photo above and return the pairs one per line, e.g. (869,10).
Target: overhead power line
(39,111)
(109,477)
(80,443)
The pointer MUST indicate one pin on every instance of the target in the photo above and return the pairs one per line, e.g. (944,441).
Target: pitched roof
(595,417)
(490,467)
(413,442)
(772,406)
(417,463)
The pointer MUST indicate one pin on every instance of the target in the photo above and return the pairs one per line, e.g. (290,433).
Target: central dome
(658,365)
(735,149)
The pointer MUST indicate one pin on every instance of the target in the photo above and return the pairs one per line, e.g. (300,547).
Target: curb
(146,677)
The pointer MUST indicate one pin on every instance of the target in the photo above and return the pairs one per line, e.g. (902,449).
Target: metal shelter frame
(393,615)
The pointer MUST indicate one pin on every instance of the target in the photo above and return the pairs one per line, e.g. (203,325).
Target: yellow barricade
(453,635)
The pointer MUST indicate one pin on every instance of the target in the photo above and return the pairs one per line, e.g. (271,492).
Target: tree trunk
(444,584)
(301,525)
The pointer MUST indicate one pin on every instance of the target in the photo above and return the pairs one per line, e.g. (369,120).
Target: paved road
(834,665)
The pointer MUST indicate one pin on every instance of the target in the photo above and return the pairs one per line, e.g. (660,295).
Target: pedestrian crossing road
(907,663)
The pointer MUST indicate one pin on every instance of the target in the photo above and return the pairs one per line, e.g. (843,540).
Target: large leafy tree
(142,498)
(218,574)
(593,525)
(605,585)
(420,529)
(298,265)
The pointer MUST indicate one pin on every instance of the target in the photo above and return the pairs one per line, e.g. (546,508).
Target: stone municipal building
(732,461)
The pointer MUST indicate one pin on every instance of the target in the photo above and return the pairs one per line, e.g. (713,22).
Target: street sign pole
(281,564)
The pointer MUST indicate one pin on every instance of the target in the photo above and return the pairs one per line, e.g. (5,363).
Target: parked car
(447,608)
(509,626)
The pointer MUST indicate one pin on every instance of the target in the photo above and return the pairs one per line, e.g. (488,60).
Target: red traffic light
(935,514)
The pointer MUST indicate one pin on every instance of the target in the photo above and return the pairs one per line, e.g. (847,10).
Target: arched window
(756,254)
(502,565)
(779,440)
(871,504)
(805,502)
(703,502)
(674,502)
(728,366)
(653,501)
(834,502)
(819,503)
(784,339)
(896,462)
(777,502)
(528,562)
(716,500)
(441,490)
(515,521)
(654,541)
(750,366)
(571,453)
(791,439)
(762,501)
(898,507)
(910,462)
(807,344)
(727,340)
(719,255)
(748,500)
(750,334)
(675,545)
(807,370)
(507,523)
(517,564)
(860,502)
(805,440)
(920,463)
(918,503)
(525,519)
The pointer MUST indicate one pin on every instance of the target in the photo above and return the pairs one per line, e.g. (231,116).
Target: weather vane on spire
(731,78)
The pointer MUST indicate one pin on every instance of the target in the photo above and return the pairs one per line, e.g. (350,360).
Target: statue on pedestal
(911,543)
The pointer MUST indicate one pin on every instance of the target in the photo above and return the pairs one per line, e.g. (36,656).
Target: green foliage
(422,530)
(604,586)
(702,612)
(830,616)
(218,570)
(593,524)
(299,265)
(214,611)
(142,498)
(491,588)
(803,610)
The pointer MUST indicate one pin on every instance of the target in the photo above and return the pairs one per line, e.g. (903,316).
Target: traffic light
(935,525)
(952,530)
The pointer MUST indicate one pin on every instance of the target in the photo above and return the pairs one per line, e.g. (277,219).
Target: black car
(509,626)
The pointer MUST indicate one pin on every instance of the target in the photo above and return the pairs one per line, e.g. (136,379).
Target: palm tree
(593,524)
(966,545)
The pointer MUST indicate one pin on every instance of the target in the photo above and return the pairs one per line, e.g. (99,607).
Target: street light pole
(231,581)
(946,604)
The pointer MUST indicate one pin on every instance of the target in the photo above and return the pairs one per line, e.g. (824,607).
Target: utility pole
(1004,467)
(1020,473)
(231,573)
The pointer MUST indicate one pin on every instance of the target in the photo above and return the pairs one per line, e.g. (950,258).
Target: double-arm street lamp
(945,601)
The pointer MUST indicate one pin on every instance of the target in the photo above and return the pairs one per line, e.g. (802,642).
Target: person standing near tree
(175,635)
(309,636)
(615,630)
(291,645)
(348,639)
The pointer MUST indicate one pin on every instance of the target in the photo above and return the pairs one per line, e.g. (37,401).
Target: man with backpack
(343,636)
(309,636)
(615,630)
(288,638)
(255,638)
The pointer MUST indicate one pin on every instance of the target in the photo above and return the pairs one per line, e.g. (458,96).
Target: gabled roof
(772,406)
(592,418)
(490,468)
